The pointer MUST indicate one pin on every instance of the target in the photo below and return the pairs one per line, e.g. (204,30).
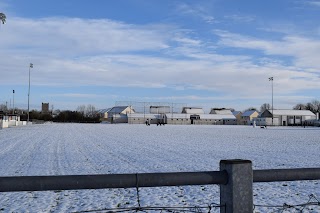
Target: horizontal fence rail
(235,178)
(73,182)
(275,175)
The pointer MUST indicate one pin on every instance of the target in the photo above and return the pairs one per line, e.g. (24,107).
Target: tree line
(83,114)
(313,106)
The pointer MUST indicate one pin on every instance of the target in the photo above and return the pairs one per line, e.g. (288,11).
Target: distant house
(286,117)
(248,116)
(119,114)
(238,115)
(104,114)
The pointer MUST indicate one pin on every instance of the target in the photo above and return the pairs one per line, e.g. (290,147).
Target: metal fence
(144,107)
(235,178)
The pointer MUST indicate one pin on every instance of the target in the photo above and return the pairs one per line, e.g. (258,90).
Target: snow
(75,149)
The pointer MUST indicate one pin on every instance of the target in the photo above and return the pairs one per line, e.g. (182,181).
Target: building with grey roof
(285,117)
(119,114)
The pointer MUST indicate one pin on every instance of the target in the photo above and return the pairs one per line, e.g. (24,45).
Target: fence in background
(235,178)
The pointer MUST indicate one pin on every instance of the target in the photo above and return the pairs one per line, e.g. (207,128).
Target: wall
(12,123)
(21,123)
(7,123)
(266,121)
(4,124)
(183,121)
(119,118)
(238,117)
(179,121)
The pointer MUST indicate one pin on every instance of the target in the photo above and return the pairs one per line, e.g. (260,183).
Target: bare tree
(90,111)
(300,107)
(264,107)
(82,109)
(3,18)
(316,105)
(87,111)
(250,109)
(3,107)
(309,106)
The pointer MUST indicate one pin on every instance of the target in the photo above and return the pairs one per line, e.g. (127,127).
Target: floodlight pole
(30,66)
(13,102)
(271,79)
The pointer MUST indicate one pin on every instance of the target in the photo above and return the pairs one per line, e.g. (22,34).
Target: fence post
(237,196)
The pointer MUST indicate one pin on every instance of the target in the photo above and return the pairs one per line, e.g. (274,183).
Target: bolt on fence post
(237,196)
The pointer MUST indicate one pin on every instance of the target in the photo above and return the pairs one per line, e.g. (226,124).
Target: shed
(220,111)
(192,110)
(159,109)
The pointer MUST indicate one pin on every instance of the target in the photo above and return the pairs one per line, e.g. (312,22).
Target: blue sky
(207,53)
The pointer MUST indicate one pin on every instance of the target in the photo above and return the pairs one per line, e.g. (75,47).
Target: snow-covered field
(70,149)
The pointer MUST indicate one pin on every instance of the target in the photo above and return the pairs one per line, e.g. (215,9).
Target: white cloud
(313,3)
(73,36)
(188,41)
(305,51)
(73,52)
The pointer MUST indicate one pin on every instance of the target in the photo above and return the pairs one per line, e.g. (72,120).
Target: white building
(192,110)
(4,121)
(221,111)
(285,117)
(11,120)
(189,115)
